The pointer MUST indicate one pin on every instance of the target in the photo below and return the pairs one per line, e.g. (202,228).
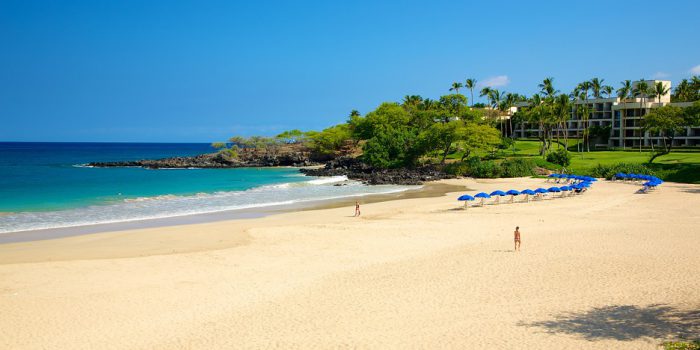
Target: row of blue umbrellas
(651,181)
(572,177)
(499,193)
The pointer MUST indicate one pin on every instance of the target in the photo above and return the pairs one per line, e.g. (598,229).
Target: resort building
(617,123)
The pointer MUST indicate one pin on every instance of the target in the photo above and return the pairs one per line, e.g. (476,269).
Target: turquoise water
(46,185)
(49,176)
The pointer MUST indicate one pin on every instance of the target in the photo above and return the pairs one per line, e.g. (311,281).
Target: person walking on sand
(516,237)
(357,208)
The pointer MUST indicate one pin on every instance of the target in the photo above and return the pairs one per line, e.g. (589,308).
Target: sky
(203,71)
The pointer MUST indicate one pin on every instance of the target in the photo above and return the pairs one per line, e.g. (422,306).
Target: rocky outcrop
(217,160)
(355,169)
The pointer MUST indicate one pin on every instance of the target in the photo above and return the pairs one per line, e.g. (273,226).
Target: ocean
(47,185)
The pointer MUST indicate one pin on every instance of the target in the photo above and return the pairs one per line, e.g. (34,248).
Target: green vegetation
(560,157)
(668,120)
(688,90)
(478,140)
(682,345)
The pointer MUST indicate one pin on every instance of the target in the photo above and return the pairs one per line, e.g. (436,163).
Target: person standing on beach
(516,235)
(357,208)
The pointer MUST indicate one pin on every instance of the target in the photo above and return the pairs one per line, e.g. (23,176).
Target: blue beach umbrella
(512,194)
(620,176)
(498,193)
(585,184)
(482,195)
(565,188)
(554,189)
(541,190)
(553,175)
(466,198)
(528,192)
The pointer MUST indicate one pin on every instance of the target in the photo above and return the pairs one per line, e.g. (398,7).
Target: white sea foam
(164,206)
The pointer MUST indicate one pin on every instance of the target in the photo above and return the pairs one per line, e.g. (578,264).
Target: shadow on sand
(626,322)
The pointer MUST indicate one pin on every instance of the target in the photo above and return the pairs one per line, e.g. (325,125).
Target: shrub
(484,169)
(682,345)
(457,168)
(561,157)
(517,167)
(545,164)
(608,171)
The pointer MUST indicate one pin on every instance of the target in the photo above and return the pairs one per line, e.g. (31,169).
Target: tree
(666,121)
(641,90)
(687,90)
(386,116)
(475,136)
(456,86)
(452,107)
(547,87)
(607,90)
(562,112)
(444,135)
(391,148)
(582,91)
(659,90)
(292,136)
(623,93)
(539,111)
(485,91)
(470,84)
(597,86)
(330,140)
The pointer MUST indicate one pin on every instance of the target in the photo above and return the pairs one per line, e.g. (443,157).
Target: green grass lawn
(679,166)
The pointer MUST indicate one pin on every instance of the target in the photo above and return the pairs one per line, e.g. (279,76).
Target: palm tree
(494,97)
(471,84)
(623,93)
(485,92)
(583,112)
(508,102)
(563,111)
(596,86)
(641,90)
(456,86)
(607,90)
(547,87)
(412,100)
(583,89)
(659,90)
(681,91)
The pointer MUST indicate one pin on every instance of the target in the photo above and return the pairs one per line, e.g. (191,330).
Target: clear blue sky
(191,71)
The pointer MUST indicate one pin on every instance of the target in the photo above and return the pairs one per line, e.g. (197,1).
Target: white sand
(607,270)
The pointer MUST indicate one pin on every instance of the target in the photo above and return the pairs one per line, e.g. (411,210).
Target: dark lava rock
(355,169)
(216,160)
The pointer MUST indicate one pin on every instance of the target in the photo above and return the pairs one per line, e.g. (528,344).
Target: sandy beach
(610,269)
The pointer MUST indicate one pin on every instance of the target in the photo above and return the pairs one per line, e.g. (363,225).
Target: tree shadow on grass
(625,322)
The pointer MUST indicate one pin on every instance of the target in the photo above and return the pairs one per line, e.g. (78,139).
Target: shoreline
(609,269)
(430,189)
